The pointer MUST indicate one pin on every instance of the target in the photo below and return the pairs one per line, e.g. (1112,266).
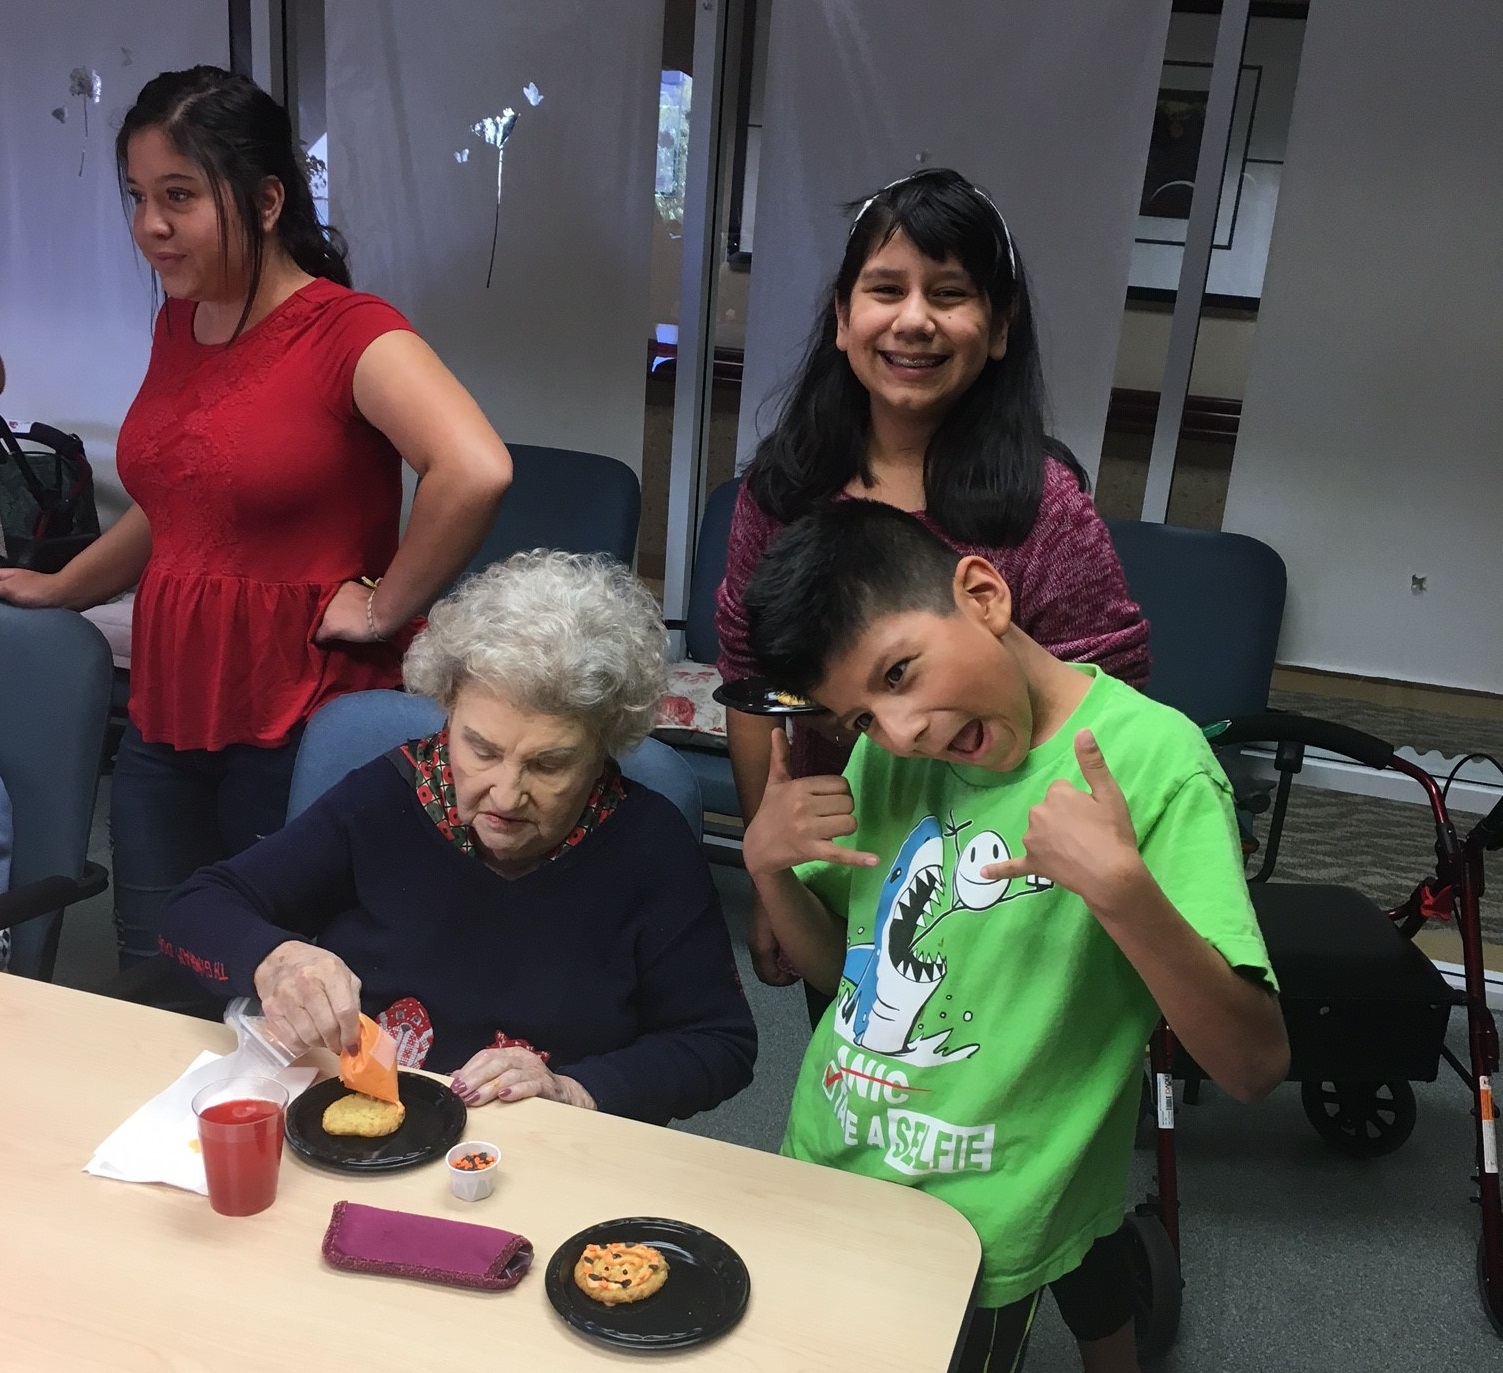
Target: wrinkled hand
(344,620)
(766,953)
(33,589)
(514,1075)
(309,997)
(1080,840)
(799,819)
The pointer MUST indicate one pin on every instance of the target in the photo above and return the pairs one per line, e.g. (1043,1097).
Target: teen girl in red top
(263,457)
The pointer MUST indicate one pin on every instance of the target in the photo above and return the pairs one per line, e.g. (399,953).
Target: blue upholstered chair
(353,729)
(347,733)
(1214,604)
(55,676)
(709,760)
(561,498)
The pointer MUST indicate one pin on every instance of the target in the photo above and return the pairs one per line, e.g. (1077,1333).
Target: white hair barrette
(1012,257)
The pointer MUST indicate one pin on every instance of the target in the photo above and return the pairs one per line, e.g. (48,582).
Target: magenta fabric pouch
(368,1239)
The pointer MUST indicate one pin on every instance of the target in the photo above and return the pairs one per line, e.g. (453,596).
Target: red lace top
(264,490)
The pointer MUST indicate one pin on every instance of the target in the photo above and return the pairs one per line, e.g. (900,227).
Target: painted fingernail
(505,1092)
(456,1085)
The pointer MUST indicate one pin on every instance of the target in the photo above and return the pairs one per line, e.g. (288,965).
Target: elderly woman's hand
(309,997)
(512,1075)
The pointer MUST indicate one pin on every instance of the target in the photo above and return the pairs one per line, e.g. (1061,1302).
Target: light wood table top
(846,1272)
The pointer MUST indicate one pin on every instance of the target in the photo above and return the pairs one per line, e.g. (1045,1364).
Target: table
(121,1277)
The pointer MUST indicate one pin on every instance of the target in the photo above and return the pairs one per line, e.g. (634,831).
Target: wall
(858,95)
(555,349)
(1373,424)
(75,297)
(1223,352)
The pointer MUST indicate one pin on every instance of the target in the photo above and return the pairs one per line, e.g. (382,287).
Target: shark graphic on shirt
(886,984)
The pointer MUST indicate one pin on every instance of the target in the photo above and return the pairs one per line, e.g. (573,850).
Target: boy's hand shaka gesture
(799,819)
(1080,840)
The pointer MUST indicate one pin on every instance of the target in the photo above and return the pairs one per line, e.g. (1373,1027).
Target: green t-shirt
(986,1039)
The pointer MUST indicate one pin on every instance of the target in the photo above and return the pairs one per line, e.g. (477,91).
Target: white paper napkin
(159,1142)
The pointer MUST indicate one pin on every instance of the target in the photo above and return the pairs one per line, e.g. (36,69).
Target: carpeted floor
(1452,735)
(1382,848)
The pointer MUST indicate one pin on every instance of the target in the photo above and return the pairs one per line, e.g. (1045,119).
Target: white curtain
(75,296)
(555,349)
(1048,104)
(1371,443)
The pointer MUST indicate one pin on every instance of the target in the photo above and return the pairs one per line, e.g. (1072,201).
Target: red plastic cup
(240,1125)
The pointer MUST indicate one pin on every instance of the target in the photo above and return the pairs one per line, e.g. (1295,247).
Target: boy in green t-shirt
(1008,916)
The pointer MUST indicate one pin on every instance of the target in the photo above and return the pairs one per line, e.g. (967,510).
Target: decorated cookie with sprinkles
(616,1273)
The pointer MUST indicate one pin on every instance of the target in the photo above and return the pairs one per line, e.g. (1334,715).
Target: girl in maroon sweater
(921,387)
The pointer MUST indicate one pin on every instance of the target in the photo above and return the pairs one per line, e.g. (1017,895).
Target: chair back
(55,678)
(700,637)
(561,498)
(1214,603)
(351,730)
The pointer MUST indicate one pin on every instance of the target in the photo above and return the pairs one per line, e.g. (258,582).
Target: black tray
(705,1295)
(758,696)
(434,1124)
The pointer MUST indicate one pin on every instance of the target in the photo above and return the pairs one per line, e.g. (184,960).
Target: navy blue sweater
(614,956)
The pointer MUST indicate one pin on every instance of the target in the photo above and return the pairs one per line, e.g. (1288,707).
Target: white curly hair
(556,633)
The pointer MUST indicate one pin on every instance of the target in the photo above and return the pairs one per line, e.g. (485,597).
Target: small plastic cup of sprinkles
(472,1169)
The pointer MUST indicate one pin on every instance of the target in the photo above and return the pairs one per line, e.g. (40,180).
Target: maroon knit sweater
(1068,592)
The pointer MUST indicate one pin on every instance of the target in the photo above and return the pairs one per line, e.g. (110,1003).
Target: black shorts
(1095,1301)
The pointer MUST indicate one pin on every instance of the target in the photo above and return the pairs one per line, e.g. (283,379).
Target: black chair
(561,498)
(708,757)
(55,677)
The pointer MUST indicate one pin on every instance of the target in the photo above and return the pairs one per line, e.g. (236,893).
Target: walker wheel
(1157,1286)
(1492,1301)
(1362,1119)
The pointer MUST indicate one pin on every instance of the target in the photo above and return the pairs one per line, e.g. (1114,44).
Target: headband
(1012,257)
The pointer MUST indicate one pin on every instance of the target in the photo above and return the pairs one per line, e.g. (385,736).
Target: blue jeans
(174,811)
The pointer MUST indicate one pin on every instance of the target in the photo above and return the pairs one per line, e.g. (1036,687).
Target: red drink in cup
(240,1126)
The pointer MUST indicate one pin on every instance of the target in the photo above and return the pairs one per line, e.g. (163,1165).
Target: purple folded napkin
(368,1239)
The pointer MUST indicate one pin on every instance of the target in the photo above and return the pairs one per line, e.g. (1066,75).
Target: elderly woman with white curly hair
(526,918)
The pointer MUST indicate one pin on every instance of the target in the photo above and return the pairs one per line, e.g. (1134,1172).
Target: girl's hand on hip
(345,620)
(513,1075)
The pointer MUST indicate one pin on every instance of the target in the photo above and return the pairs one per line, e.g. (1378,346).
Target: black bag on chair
(47,511)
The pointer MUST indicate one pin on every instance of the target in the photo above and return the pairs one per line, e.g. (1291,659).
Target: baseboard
(1455,976)
(1476,790)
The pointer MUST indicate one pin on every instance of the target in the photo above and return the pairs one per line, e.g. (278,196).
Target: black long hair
(237,136)
(984,466)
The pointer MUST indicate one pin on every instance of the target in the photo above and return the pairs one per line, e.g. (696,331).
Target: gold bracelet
(370,608)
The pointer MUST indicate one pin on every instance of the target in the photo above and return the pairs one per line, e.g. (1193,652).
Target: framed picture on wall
(1255,159)
(1174,149)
